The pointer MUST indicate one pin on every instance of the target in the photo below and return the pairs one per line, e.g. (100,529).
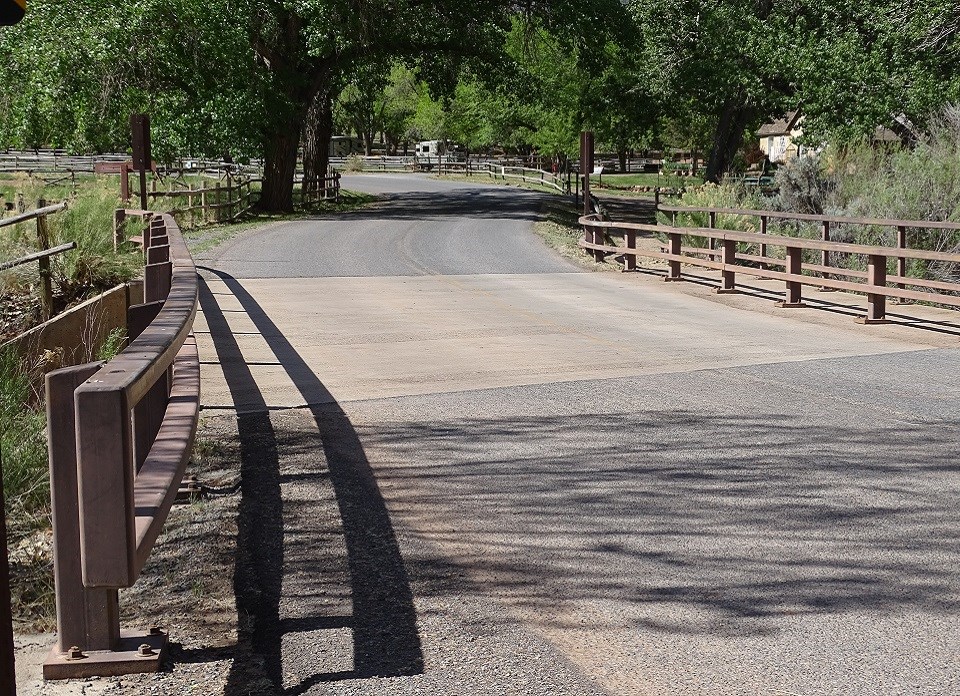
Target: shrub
(354,163)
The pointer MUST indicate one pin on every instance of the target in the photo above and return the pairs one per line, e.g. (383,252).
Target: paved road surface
(470,468)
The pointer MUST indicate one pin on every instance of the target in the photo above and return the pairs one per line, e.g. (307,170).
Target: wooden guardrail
(727,251)
(120,435)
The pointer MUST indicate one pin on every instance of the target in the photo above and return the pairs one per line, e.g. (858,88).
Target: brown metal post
(630,260)
(84,616)
(106,472)
(712,224)
(46,284)
(673,247)
(876,277)
(763,230)
(794,288)
(728,275)
(901,261)
(8,671)
(825,255)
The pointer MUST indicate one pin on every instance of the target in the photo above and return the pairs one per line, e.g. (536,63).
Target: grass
(23,458)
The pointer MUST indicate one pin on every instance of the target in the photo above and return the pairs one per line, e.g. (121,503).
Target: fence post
(217,202)
(794,267)
(83,614)
(204,211)
(46,286)
(901,261)
(825,255)
(728,275)
(673,248)
(763,247)
(630,260)
(877,278)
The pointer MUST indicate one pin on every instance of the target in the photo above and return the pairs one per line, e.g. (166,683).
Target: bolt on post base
(136,653)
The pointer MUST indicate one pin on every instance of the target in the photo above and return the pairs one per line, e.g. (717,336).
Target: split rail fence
(44,253)
(232,198)
(734,253)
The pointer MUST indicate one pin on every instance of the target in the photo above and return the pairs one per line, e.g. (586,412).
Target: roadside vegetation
(857,180)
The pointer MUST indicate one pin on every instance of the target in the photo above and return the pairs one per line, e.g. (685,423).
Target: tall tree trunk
(622,157)
(280,165)
(317,133)
(727,137)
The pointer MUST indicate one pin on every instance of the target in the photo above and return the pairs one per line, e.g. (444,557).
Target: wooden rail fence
(747,253)
(45,250)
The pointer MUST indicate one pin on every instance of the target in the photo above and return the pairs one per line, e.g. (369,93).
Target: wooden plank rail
(120,436)
(45,254)
(874,281)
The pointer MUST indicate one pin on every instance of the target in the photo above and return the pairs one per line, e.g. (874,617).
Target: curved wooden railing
(120,435)
(727,251)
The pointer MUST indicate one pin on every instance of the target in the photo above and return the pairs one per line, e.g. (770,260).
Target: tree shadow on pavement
(282,563)
(491,202)
(742,521)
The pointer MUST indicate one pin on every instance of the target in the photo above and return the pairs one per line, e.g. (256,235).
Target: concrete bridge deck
(576,482)
(470,468)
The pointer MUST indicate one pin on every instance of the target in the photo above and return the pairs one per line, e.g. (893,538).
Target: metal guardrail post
(87,619)
(673,265)
(763,230)
(630,260)
(825,254)
(876,277)
(901,261)
(728,280)
(794,296)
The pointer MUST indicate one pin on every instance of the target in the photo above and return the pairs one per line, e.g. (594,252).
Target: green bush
(93,266)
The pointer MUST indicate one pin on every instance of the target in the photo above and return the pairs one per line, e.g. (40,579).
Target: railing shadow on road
(689,522)
(383,622)
(847,307)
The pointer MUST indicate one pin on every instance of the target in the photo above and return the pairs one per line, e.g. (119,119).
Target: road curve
(496,474)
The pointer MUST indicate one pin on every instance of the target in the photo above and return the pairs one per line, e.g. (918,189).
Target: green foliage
(23,446)
(93,266)
(113,343)
(728,195)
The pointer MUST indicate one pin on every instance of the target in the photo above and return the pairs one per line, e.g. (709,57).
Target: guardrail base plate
(127,659)
(789,305)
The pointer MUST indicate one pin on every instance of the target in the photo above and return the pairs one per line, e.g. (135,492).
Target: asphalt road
(470,468)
